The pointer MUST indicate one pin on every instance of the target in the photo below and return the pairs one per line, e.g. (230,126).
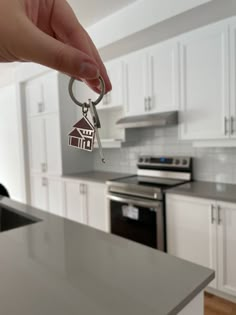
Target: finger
(41,48)
(68,29)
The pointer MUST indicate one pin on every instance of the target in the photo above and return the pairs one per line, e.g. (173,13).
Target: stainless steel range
(137,203)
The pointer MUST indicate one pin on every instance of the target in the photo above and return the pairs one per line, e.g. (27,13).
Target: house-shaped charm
(82,136)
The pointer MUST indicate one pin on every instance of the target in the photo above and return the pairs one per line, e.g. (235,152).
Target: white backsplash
(210,164)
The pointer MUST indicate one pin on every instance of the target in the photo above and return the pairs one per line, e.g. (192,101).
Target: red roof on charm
(84,124)
(75,133)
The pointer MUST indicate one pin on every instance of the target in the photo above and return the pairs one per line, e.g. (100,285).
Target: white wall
(10,144)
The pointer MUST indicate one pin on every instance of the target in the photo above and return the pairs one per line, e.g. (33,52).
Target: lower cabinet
(227,248)
(47,194)
(39,192)
(204,232)
(97,214)
(83,202)
(86,203)
(74,202)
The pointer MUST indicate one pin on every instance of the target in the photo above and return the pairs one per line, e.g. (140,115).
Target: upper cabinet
(115,98)
(163,66)
(152,79)
(205,83)
(41,94)
(137,85)
(50,116)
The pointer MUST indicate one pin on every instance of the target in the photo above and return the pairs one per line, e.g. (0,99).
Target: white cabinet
(116,97)
(227,247)
(232,118)
(190,232)
(136,67)
(86,203)
(204,232)
(164,77)
(41,94)
(53,144)
(55,191)
(39,192)
(37,147)
(97,207)
(74,202)
(44,144)
(47,194)
(152,79)
(205,83)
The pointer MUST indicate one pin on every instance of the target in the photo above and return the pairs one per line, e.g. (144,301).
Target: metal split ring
(102,84)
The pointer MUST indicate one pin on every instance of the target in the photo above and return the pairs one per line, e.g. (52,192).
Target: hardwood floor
(217,306)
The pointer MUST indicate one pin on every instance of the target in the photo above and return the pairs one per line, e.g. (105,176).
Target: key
(97,125)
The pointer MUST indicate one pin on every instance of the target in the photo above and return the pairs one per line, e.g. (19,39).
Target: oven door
(137,219)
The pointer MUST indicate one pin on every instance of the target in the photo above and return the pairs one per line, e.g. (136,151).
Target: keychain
(83,134)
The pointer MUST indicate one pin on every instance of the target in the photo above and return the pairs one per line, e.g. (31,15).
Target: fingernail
(88,71)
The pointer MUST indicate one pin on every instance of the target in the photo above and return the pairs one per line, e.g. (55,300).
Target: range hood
(151,120)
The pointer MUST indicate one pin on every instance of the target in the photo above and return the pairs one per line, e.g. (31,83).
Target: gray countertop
(60,267)
(96,176)
(207,190)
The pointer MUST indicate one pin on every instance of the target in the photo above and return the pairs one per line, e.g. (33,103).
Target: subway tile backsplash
(210,164)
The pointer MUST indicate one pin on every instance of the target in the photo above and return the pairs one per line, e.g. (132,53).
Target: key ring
(102,84)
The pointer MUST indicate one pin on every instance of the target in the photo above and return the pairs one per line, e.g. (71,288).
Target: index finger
(68,29)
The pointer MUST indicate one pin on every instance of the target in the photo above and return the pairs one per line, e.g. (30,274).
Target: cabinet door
(164,77)
(115,70)
(73,201)
(205,83)
(191,232)
(53,144)
(227,247)
(34,97)
(97,207)
(50,92)
(137,85)
(37,148)
(39,192)
(233,78)
(56,197)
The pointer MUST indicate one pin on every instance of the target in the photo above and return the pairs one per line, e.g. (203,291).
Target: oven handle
(135,201)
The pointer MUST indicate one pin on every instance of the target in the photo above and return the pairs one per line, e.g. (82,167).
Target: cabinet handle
(232,125)
(226,126)
(82,189)
(212,214)
(44,181)
(40,107)
(146,104)
(149,103)
(44,167)
(219,215)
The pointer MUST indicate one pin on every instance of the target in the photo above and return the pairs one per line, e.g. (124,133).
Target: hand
(47,32)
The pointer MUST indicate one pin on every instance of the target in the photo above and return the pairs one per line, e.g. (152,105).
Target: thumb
(37,46)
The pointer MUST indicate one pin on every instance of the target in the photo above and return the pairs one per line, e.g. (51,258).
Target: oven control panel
(165,161)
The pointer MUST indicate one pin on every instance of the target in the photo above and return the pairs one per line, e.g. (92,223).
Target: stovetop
(154,176)
(162,183)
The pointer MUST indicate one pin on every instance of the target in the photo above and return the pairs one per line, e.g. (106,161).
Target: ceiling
(91,11)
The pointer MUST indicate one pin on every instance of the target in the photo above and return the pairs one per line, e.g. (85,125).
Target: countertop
(206,190)
(96,176)
(60,267)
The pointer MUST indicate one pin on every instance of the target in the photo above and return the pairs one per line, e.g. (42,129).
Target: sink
(12,219)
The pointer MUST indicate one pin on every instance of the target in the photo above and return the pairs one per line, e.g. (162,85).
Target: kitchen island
(56,266)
